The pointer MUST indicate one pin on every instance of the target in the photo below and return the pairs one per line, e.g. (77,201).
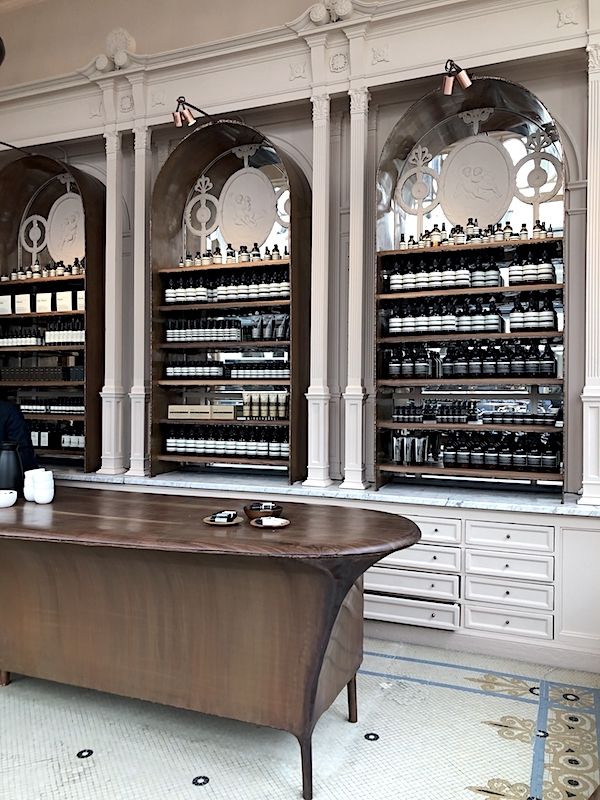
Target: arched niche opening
(227,183)
(489,155)
(51,212)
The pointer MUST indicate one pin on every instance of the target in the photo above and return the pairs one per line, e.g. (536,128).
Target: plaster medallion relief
(158,99)
(569,15)
(338,62)
(297,70)
(477,180)
(126,104)
(247,207)
(320,107)
(359,101)
(593,57)
(380,53)
(96,109)
(117,40)
(66,229)
(475,117)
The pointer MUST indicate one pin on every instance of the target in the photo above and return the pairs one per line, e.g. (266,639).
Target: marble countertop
(223,484)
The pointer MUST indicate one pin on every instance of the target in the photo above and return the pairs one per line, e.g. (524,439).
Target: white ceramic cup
(43,492)
(30,478)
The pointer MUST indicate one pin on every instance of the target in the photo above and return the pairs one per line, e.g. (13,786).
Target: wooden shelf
(521,287)
(223,304)
(238,265)
(271,423)
(43,348)
(467,426)
(49,384)
(493,473)
(36,281)
(57,417)
(225,382)
(224,345)
(466,337)
(493,380)
(71,453)
(32,314)
(209,459)
(460,248)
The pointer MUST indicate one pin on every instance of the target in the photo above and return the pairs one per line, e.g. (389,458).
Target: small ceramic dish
(260,509)
(269,522)
(8,497)
(236,521)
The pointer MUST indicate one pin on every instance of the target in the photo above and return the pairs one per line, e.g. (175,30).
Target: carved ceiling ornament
(380,53)
(593,57)
(477,180)
(330,11)
(338,62)
(568,15)
(297,70)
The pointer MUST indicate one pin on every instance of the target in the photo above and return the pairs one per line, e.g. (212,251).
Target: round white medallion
(477,180)
(248,208)
(66,229)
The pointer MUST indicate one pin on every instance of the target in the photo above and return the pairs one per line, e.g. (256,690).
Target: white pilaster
(355,396)
(318,396)
(139,395)
(591,390)
(113,393)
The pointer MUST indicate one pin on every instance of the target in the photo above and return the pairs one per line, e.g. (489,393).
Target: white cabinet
(439,531)
(537,596)
(412,612)
(412,584)
(424,556)
(509,623)
(510,565)
(510,536)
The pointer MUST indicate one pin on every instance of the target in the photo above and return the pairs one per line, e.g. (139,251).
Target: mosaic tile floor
(433,725)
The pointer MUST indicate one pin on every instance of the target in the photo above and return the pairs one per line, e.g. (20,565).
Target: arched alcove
(493,152)
(187,215)
(31,191)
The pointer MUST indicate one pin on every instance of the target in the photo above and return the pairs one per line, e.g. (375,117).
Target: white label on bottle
(64,301)
(35,438)
(6,304)
(22,304)
(65,440)
(43,301)
(44,439)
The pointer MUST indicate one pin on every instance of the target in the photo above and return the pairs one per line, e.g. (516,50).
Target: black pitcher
(11,468)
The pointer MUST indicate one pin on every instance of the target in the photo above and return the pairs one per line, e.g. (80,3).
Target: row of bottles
(463,273)
(531,452)
(198,367)
(266,405)
(52,405)
(229,329)
(481,360)
(71,332)
(229,440)
(231,256)
(528,312)
(49,270)
(472,233)
(57,435)
(471,411)
(244,285)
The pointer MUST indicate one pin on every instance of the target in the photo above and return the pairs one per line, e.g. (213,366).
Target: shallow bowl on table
(8,497)
(258,509)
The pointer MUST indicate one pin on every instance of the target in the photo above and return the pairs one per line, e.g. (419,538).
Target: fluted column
(138,396)
(591,389)
(113,394)
(354,396)
(318,396)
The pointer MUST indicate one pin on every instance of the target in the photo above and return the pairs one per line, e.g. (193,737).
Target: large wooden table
(133,594)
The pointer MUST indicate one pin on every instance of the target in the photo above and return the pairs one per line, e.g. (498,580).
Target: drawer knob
(434,558)
(507,592)
(435,530)
(507,622)
(508,535)
(432,614)
(507,566)
(433,585)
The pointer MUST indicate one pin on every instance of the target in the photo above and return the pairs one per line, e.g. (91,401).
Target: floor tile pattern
(433,725)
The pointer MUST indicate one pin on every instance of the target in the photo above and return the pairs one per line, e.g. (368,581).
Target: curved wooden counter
(133,594)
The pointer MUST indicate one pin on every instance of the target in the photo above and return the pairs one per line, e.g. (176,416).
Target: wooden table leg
(306,753)
(352,706)
(4,678)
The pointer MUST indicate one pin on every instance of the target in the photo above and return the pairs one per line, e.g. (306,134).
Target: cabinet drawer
(515,623)
(413,584)
(439,531)
(412,612)
(444,559)
(514,537)
(508,593)
(509,565)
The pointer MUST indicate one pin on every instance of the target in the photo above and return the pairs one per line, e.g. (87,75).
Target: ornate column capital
(112,142)
(593,51)
(359,101)
(141,137)
(320,107)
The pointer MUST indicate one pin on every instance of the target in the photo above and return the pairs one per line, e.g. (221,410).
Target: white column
(591,389)
(139,395)
(113,394)
(354,396)
(318,392)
